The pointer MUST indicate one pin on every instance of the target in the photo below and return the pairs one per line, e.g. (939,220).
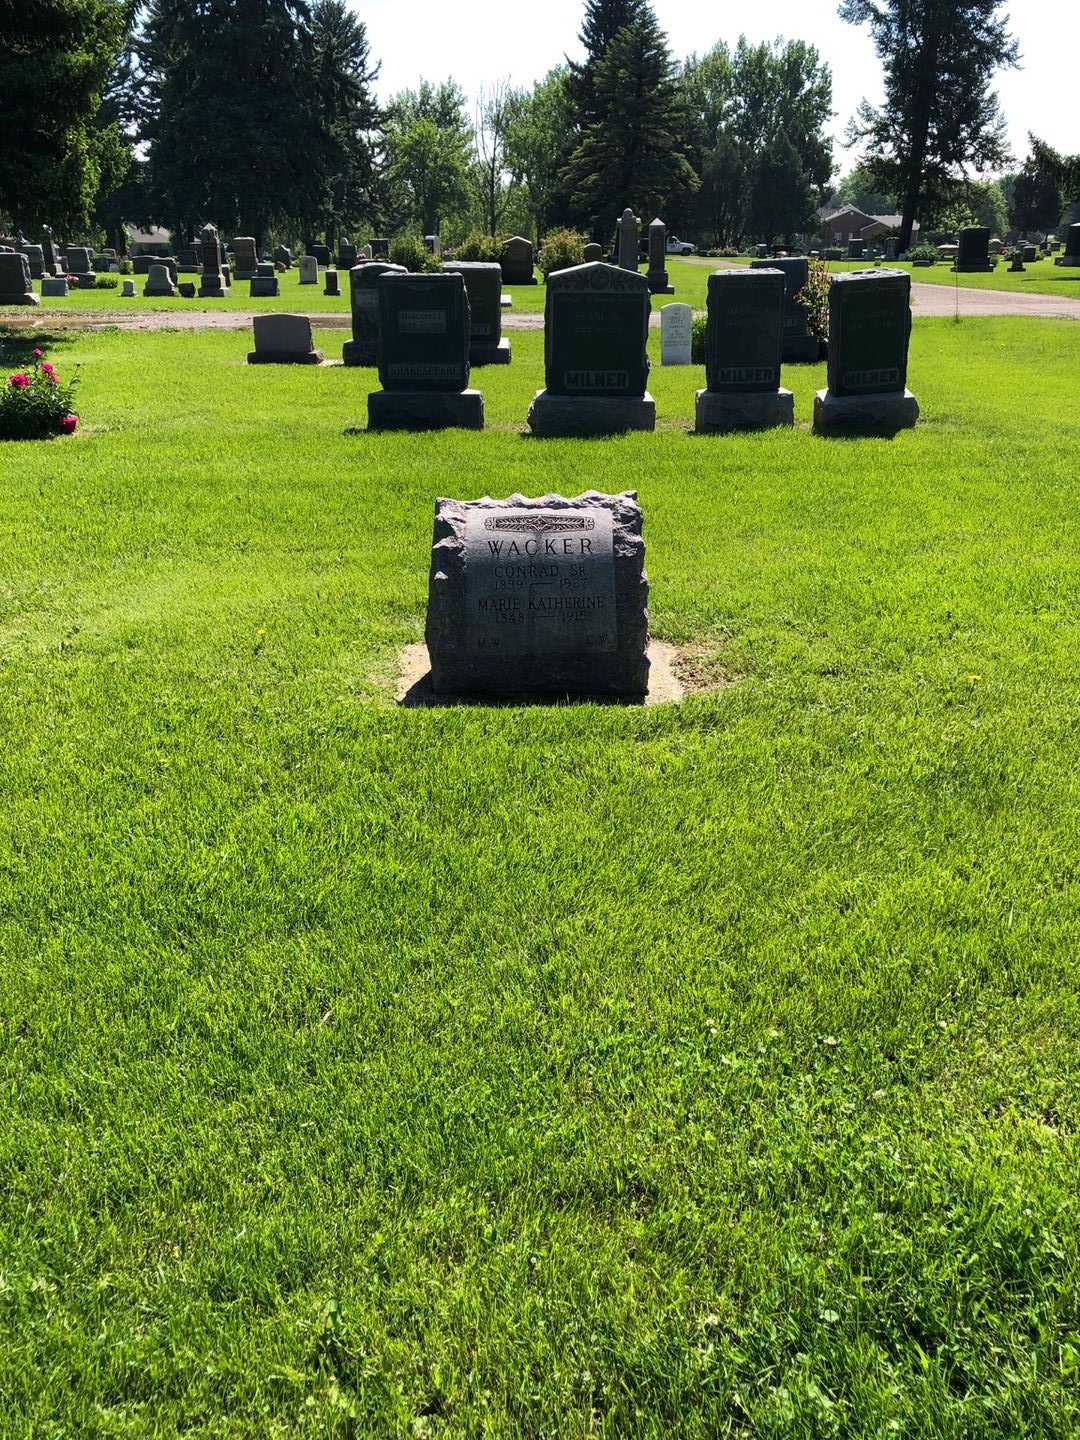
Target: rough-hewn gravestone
(212,281)
(309,270)
(484,284)
(333,283)
(283,256)
(869,329)
(542,596)
(186,289)
(16,287)
(245,257)
(1071,256)
(596,363)
(517,261)
(629,228)
(973,251)
(159,281)
(424,355)
(593,252)
(676,335)
(283,340)
(362,349)
(264,282)
(55,287)
(799,344)
(657,275)
(743,346)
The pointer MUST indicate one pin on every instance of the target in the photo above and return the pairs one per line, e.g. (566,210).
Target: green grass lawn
(1042,277)
(700,1070)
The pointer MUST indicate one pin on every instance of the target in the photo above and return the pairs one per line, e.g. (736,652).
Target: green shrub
(814,298)
(697,340)
(34,404)
(126,267)
(478,246)
(923,252)
(106,282)
(411,252)
(561,250)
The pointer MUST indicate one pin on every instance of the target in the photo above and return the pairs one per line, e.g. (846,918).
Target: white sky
(478,41)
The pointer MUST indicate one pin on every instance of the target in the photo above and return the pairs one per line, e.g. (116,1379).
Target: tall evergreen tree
(940,118)
(56,57)
(631,151)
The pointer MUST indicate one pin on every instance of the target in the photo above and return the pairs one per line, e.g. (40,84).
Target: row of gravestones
(418,329)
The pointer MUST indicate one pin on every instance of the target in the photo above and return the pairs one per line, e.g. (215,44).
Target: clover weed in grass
(698,1070)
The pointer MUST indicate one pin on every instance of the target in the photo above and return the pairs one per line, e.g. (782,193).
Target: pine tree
(55,62)
(940,119)
(631,151)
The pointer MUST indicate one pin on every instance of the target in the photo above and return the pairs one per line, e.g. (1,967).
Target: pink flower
(37,354)
(20,382)
(46,368)
(68,423)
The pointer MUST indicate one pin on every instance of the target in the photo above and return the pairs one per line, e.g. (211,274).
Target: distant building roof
(885,222)
(156,235)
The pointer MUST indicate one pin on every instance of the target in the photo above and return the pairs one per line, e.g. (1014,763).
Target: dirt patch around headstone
(673,675)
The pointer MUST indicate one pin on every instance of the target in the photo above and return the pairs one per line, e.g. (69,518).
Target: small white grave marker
(676,334)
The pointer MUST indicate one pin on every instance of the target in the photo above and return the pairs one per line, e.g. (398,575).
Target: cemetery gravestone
(127,290)
(283,256)
(596,364)
(322,255)
(517,261)
(333,284)
(676,335)
(187,260)
(973,251)
(48,247)
(424,355)
(81,266)
(483,282)
(365,253)
(799,344)
(855,249)
(362,349)
(869,330)
(1017,263)
(1030,254)
(159,282)
(593,252)
(1071,256)
(264,282)
(140,264)
(629,227)
(347,256)
(16,287)
(212,281)
(539,596)
(55,287)
(657,275)
(380,248)
(995,245)
(245,257)
(892,247)
(434,245)
(35,258)
(309,270)
(187,289)
(283,340)
(743,345)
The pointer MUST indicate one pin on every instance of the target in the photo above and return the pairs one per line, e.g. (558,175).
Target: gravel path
(925,300)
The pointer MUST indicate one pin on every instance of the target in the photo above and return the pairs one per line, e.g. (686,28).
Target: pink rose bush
(35,404)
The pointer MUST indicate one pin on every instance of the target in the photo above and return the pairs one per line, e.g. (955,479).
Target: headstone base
(285,357)
(264,287)
(425,410)
(531,281)
(590,414)
(212,287)
(895,411)
(187,289)
(973,267)
(25,297)
(158,293)
(800,350)
(359,352)
(757,410)
(87,281)
(490,354)
(658,283)
(1073,261)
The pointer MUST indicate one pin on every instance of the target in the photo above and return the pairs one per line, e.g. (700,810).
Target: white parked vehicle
(675,246)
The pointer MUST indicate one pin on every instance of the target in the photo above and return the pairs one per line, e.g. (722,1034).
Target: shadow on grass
(17,346)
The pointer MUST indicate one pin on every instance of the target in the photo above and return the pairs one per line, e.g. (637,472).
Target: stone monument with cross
(212,281)
(629,228)
(657,275)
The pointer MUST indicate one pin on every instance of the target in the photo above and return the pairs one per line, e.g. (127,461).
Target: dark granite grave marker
(657,275)
(596,365)
(856,249)
(362,349)
(973,251)
(212,281)
(743,340)
(16,287)
(629,229)
(539,597)
(1071,257)
(517,260)
(484,285)
(869,329)
(265,281)
(799,345)
(380,248)
(423,351)
(322,255)
(245,257)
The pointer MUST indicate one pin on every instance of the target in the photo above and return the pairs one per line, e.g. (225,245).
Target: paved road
(925,300)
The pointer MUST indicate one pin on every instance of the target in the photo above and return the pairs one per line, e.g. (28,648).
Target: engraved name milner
(540,582)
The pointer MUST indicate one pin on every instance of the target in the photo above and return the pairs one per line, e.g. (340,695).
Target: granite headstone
(362,349)
(869,331)
(483,281)
(424,355)
(743,345)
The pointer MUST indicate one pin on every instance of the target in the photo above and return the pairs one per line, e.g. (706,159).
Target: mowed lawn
(708,1069)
